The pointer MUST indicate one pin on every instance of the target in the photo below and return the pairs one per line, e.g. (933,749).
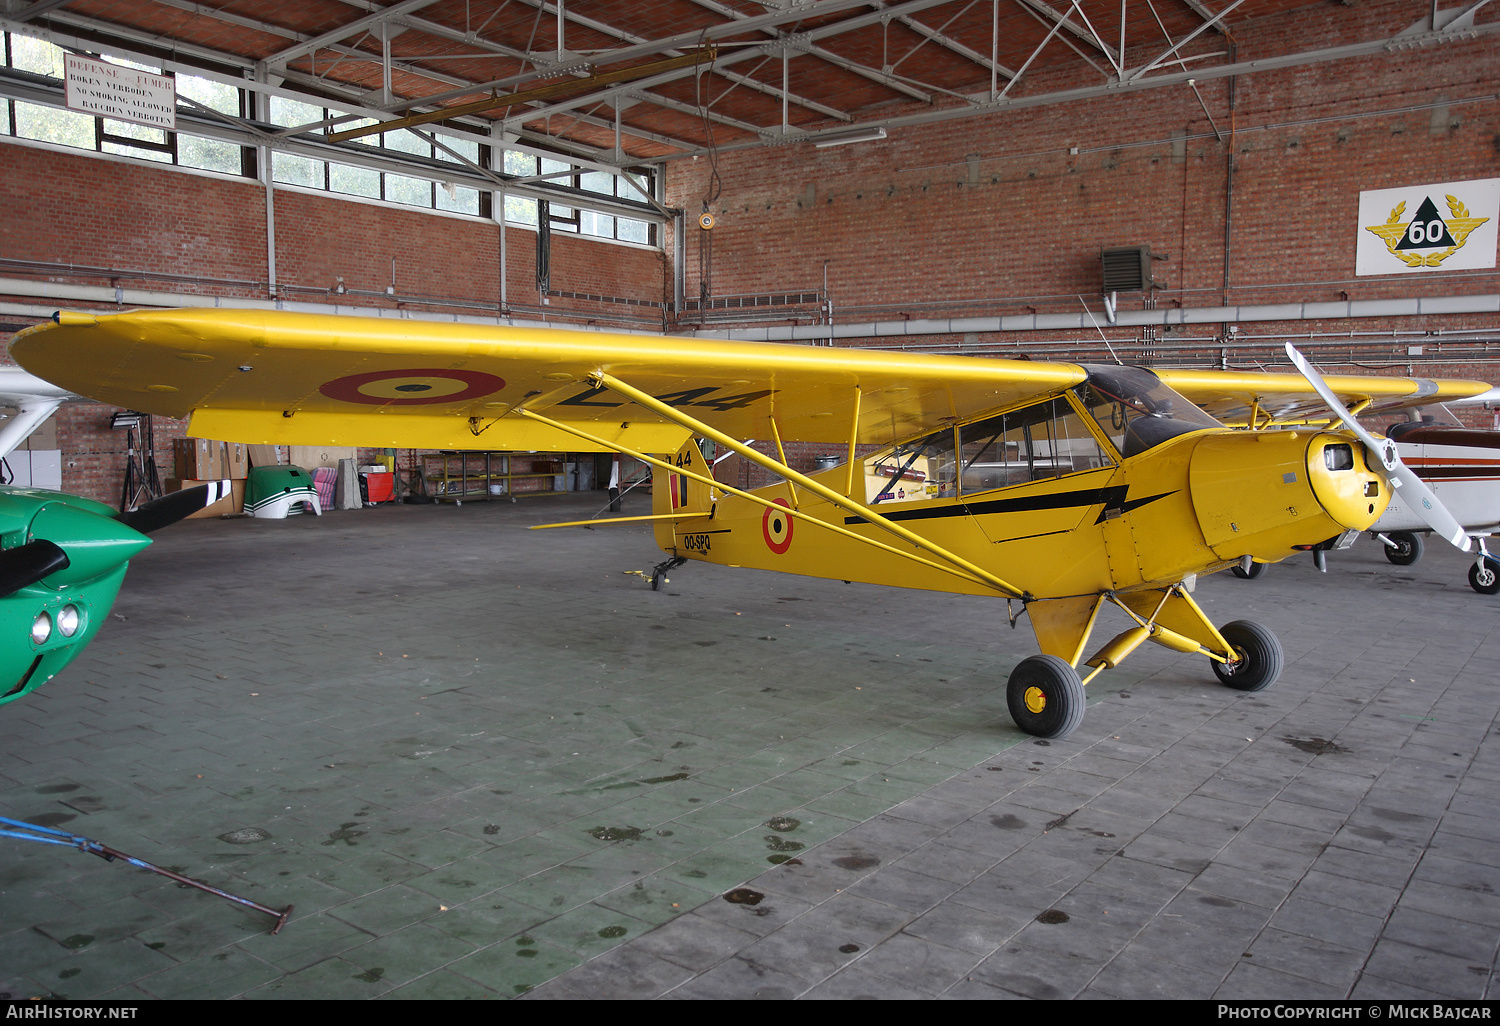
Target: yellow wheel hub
(1036,700)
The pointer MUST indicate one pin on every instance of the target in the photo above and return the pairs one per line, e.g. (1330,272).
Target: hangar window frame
(235,150)
(121,138)
(577,220)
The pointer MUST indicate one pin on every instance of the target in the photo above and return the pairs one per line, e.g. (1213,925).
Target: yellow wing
(276,377)
(289,378)
(1230,396)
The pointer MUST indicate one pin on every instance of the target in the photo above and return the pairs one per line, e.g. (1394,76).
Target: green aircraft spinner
(62,560)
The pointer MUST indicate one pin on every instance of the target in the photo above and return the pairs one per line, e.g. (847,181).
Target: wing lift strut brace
(951,563)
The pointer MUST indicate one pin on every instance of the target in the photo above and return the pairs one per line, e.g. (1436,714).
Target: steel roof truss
(316,43)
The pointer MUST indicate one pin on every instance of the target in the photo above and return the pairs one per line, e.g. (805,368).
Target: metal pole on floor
(48,835)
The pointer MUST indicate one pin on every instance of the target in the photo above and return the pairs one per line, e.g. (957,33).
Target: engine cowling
(1265,494)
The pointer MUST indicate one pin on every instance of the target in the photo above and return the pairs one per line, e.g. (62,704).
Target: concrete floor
(483,762)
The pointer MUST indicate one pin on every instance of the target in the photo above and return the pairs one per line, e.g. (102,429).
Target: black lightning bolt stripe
(1112,498)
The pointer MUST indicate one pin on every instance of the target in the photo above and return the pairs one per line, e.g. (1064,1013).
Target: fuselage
(1100,488)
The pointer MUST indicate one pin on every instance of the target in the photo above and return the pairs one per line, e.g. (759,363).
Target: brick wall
(168,230)
(1002,207)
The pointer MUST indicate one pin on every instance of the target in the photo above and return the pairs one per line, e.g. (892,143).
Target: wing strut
(721,486)
(822,491)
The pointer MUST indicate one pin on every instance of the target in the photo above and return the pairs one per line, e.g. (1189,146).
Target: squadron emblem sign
(1449,225)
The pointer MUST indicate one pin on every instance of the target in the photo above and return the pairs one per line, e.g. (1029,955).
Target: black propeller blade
(26,564)
(169,509)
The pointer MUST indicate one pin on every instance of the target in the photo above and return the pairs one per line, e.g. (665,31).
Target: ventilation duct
(1126,269)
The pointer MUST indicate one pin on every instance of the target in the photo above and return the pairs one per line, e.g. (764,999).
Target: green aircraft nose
(95,544)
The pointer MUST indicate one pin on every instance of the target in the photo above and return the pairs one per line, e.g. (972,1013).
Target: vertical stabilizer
(677,493)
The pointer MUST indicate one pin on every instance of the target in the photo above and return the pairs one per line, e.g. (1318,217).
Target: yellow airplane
(1061,488)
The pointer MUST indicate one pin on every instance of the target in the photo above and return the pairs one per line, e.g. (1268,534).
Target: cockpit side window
(917,471)
(1035,443)
(1031,444)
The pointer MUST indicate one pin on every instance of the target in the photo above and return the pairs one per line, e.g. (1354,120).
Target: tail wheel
(1260,658)
(1256,569)
(1485,579)
(1406,550)
(1045,696)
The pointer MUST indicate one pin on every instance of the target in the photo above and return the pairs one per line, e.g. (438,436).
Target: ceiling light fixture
(845,138)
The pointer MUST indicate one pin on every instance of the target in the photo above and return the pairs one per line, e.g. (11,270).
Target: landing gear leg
(1245,655)
(659,571)
(1484,575)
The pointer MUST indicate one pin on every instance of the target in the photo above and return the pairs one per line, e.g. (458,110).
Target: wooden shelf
(483,476)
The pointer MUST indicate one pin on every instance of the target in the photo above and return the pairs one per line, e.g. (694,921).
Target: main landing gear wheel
(1256,569)
(1485,579)
(1045,696)
(1260,659)
(1406,550)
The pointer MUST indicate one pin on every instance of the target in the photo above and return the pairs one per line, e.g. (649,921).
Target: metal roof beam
(291,53)
(954,45)
(433,28)
(688,108)
(694,38)
(1203,11)
(775,47)
(750,83)
(854,67)
(1389,46)
(1166,55)
(122,32)
(37,9)
(1072,28)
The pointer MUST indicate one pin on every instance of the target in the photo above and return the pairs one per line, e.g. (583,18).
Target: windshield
(1136,410)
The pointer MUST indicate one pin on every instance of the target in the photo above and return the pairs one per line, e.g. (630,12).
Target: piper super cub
(1061,487)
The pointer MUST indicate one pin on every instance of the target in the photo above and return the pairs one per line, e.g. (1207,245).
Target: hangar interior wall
(1249,197)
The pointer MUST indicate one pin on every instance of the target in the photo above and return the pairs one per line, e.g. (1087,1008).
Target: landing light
(68,619)
(41,629)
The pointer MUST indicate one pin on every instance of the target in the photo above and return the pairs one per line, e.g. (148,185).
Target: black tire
(1260,659)
(1406,550)
(1486,581)
(1256,569)
(1045,696)
(655,582)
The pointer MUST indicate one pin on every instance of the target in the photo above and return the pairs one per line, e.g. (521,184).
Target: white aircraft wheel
(1407,550)
(1485,579)
(1045,696)
(1260,659)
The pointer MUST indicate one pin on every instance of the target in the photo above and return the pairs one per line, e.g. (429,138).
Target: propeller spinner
(1383,450)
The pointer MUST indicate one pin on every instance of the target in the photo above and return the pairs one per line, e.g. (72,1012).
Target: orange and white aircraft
(1059,488)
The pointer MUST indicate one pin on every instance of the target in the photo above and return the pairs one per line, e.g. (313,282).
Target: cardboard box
(265,455)
(198,459)
(236,460)
(309,456)
(234,502)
